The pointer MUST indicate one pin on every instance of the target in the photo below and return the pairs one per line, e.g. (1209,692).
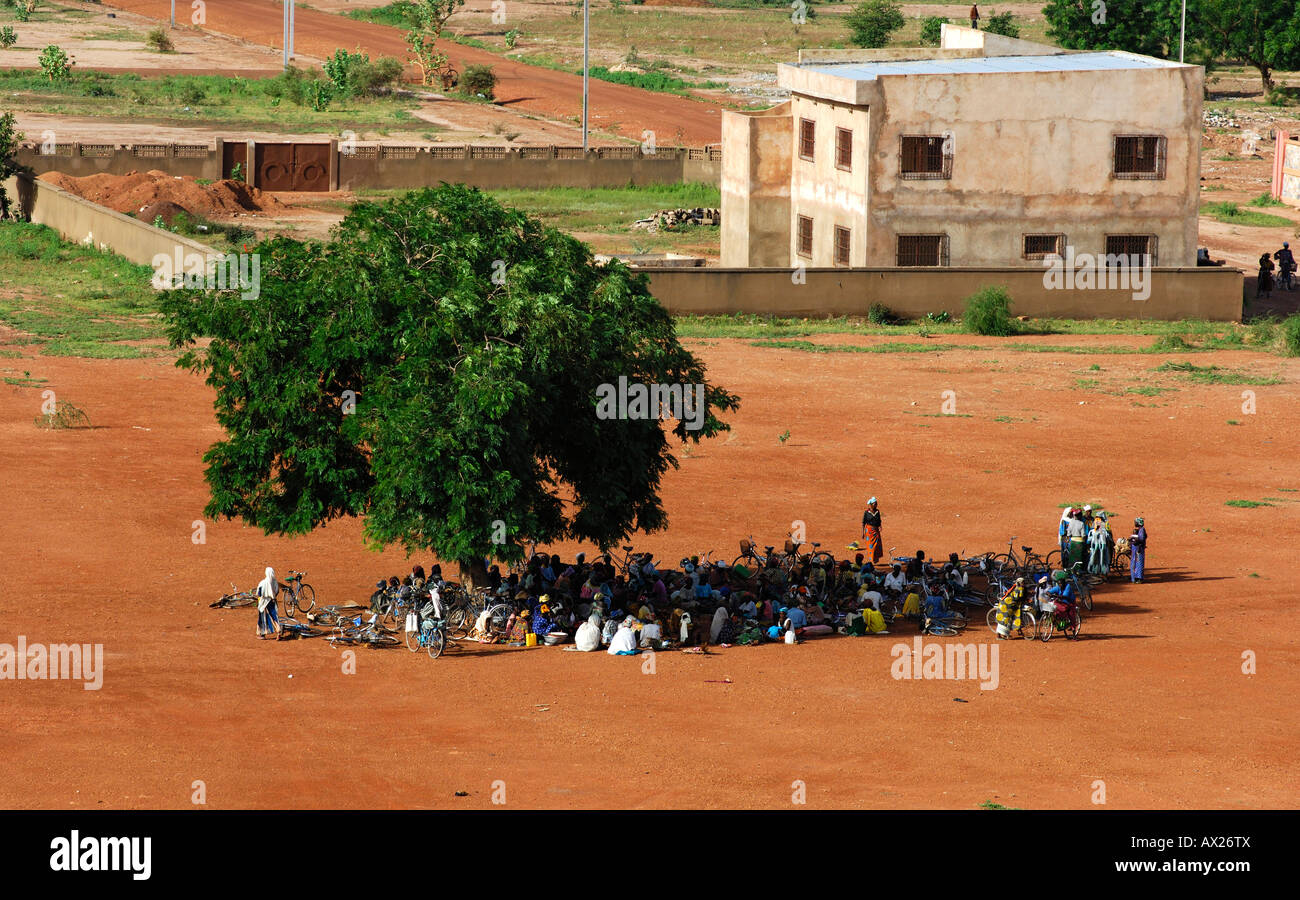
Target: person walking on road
(871,530)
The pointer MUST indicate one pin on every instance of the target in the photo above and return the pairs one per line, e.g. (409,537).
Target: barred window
(807,138)
(1041,246)
(1139,156)
(1130,249)
(843,241)
(922,250)
(923,156)
(805,236)
(843,149)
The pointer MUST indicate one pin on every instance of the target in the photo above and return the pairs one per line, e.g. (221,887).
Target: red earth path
(627,110)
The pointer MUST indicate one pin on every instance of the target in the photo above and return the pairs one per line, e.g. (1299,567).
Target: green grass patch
(889,347)
(1246,504)
(1215,375)
(1232,214)
(71,299)
(1265,199)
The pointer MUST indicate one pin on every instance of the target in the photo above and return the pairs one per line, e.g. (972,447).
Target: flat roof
(1056,62)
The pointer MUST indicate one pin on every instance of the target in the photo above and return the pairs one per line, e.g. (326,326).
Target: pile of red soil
(135,192)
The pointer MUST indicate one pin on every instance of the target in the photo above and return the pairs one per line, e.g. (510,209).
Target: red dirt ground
(136,191)
(552,93)
(98,531)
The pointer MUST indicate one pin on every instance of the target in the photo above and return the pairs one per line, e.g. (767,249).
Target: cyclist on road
(1285,266)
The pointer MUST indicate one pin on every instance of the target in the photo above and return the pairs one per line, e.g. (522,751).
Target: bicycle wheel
(1085,597)
(992,619)
(459,623)
(1028,624)
(413,641)
(1121,563)
(434,641)
(286,602)
(940,629)
(1053,559)
(1046,627)
(498,616)
(305,598)
(1073,626)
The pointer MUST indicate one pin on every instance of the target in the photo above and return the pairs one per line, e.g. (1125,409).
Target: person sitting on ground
(587,637)
(796,619)
(623,643)
(652,634)
(715,627)
(417,578)
(917,566)
(895,582)
(729,631)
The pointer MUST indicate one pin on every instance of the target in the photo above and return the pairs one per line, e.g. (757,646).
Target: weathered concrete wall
(890,54)
(1286,168)
(88,223)
(1032,153)
(391,166)
(963,37)
(756,188)
(1175,293)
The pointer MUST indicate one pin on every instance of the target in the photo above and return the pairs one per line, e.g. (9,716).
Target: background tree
(10,138)
(1003,23)
(932,30)
(473,341)
(1137,26)
(871,23)
(427,18)
(1261,33)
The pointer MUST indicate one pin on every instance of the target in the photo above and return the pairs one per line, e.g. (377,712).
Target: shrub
(931,30)
(1291,335)
(7,37)
(344,71)
(1003,24)
(192,94)
(880,314)
(871,23)
(479,81)
(320,94)
(512,38)
(54,62)
(159,40)
(988,312)
(379,75)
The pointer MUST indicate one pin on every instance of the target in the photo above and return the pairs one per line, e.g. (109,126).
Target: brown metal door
(311,167)
(274,167)
(234,153)
(293,167)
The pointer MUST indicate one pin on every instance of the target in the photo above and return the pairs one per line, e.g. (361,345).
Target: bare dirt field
(98,532)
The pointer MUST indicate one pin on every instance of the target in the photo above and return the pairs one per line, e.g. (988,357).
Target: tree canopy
(472,341)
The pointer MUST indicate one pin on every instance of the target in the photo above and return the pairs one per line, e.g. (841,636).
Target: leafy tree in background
(871,23)
(1261,33)
(1002,23)
(10,138)
(932,30)
(1137,26)
(474,340)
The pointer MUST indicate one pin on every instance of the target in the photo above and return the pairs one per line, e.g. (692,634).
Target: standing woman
(871,530)
(268,621)
(1137,543)
(1077,537)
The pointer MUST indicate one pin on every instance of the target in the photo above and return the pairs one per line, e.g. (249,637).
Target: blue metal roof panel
(1063,62)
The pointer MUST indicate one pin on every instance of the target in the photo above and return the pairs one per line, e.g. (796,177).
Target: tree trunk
(1266,73)
(473,573)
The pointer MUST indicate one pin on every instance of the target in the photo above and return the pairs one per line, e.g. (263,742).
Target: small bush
(1266,199)
(1003,24)
(988,312)
(160,41)
(55,63)
(479,81)
(880,314)
(871,23)
(932,30)
(1291,335)
(7,37)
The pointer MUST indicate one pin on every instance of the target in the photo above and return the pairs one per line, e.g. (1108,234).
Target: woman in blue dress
(1137,544)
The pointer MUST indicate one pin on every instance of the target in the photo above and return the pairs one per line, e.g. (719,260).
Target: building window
(843,241)
(926,156)
(1130,249)
(807,138)
(1140,156)
(805,236)
(1041,246)
(923,250)
(843,149)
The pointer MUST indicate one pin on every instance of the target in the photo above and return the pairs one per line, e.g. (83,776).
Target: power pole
(1182,34)
(173,13)
(285,15)
(586,59)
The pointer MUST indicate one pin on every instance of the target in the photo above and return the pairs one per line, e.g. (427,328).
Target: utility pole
(173,13)
(284,11)
(586,59)
(292,6)
(1182,34)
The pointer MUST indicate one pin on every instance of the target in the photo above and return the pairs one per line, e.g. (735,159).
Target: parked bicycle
(295,595)
(1059,617)
(424,631)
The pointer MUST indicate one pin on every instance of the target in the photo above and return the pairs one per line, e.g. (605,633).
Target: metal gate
(293,167)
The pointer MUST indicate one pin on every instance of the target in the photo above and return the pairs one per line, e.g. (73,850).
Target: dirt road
(100,543)
(625,110)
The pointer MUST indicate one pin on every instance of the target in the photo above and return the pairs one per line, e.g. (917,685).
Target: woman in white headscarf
(588,637)
(268,621)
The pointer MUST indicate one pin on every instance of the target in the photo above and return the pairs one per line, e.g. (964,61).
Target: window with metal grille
(843,240)
(923,156)
(923,250)
(805,236)
(1130,249)
(807,138)
(1139,156)
(843,149)
(1041,246)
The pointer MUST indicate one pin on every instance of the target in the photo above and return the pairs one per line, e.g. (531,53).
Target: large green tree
(474,343)
(872,22)
(10,138)
(1137,26)
(1261,33)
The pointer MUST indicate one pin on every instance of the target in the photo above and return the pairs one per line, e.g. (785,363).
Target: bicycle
(1029,563)
(428,633)
(750,558)
(1053,620)
(1028,621)
(295,595)
(236,599)
(370,632)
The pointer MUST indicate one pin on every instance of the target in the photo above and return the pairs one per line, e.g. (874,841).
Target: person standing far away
(1077,534)
(268,620)
(1285,265)
(974,16)
(1137,545)
(1264,281)
(871,530)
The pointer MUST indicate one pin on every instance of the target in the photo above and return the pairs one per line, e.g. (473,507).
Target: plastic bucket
(530,640)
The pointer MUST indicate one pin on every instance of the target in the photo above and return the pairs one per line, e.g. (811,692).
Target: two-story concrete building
(987,151)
